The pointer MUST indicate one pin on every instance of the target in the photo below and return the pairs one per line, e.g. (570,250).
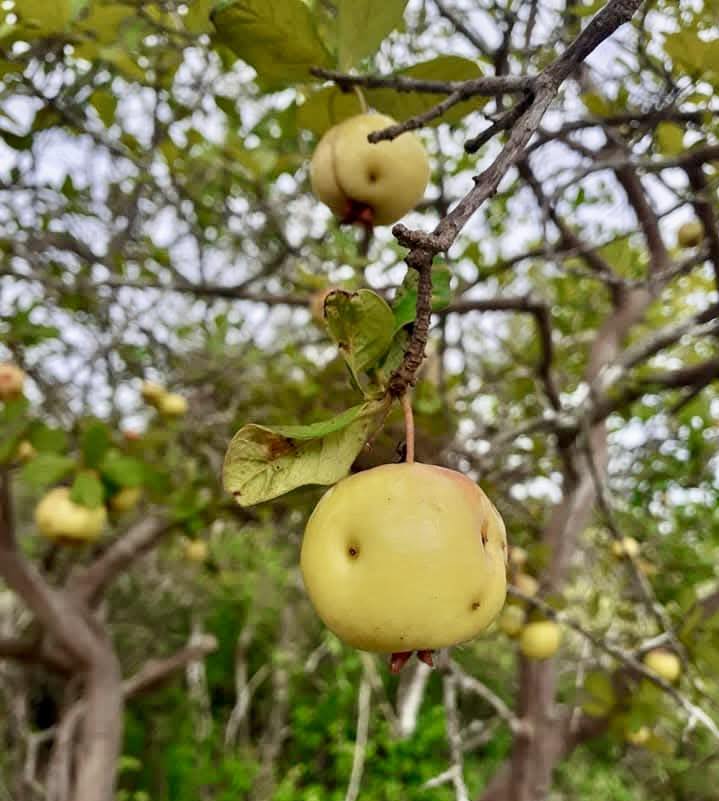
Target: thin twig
(364,697)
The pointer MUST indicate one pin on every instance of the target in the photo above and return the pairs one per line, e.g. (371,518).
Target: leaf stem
(406,402)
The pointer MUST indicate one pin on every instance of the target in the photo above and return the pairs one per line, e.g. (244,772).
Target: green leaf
(263,463)
(395,354)
(278,39)
(404,307)
(45,17)
(362,25)
(122,470)
(45,438)
(104,103)
(46,468)
(94,443)
(329,106)
(11,436)
(670,138)
(321,428)
(87,490)
(692,54)
(197,19)
(402,105)
(16,141)
(362,325)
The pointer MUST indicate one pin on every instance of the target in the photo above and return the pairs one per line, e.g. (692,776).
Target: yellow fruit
(60,518)
(25,451)
(631,547)
(196,551)
(690,235)
(540,640)
(172,405)
(526,584)
(126,499)
(12,380)
(511,620)
(350,174)
(405,557)
(664,663)
(152,393)
(627,546)
(639,737)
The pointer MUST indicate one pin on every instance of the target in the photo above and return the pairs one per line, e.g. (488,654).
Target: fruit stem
(406,402)
(361,98)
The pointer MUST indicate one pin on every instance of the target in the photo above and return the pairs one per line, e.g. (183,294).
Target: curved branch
(87,583)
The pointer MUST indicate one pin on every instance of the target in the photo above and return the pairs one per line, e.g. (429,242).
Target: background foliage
(156,223)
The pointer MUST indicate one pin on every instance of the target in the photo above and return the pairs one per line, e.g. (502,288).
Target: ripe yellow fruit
(12,380)
(126,499)
(25,451)
(639,737)
(664,663)
(58,517)
(512,619)
(540,640)
(690,235)
(526,584)
(351,175)
(172,405)
(405,557)
(152,392)
(196,551)
(627,546)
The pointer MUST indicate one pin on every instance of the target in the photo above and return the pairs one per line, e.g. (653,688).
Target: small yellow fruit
(664,663)
(12,380)
(540,640)
(627,546)
(152,393)
(126,499)
(172,405)
(58,517)
(517,556)
(512,619)
(631,547)
(25,451)
(690,235)
(353,176)
(526,584)
(196,551)
(639,737)
(405,557)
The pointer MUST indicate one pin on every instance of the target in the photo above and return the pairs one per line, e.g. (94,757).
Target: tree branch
(486,86)
(88,582)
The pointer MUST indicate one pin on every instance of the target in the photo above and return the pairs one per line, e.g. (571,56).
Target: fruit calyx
(358,212)
(399,659)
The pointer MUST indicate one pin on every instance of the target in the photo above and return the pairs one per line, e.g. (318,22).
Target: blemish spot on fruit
(372,177)
(484,533)
(475,606)
(353,551)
